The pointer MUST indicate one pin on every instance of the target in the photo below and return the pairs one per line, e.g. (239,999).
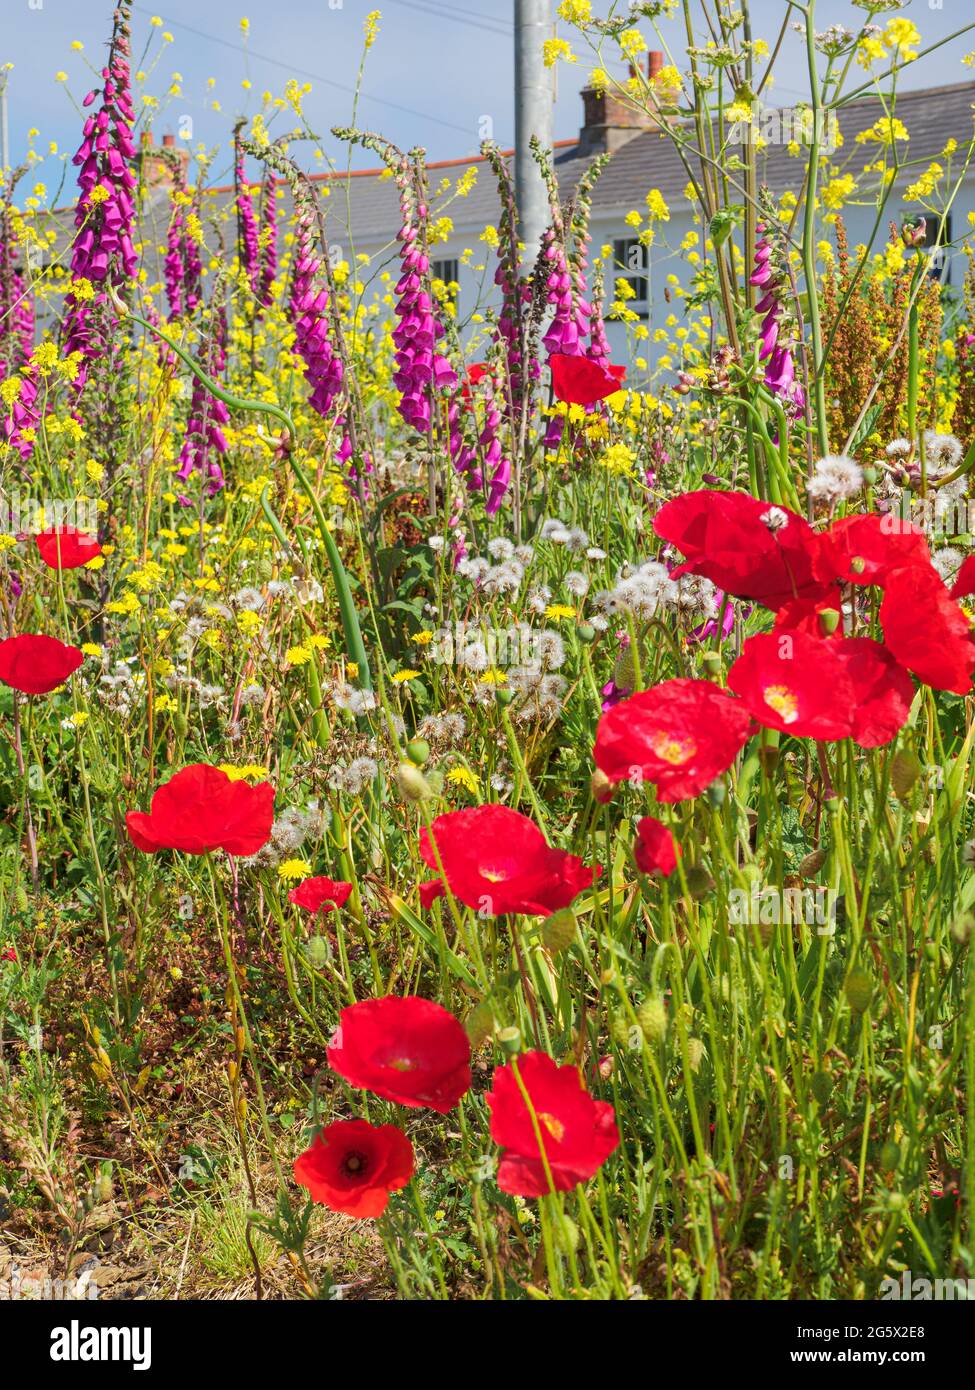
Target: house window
(446,270)
(938,237)
(631,262)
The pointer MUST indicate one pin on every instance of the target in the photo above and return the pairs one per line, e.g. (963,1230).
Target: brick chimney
(159,164)
(611,120)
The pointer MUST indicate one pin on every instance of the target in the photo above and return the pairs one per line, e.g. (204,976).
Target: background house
(362,208)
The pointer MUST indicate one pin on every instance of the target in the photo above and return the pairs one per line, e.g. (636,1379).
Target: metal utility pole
(533,116)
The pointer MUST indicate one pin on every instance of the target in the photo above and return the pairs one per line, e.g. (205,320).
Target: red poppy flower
(353,1166)
(882,690)
(745,546)
(926,630)
(864,549)
(657,852)
(430,892)
(66,548)
(497,860)
(965,579)
(578,381)
(681,735)
(796,684)
(35,664)
(410,1051)
(320,894)
(577,1133)
(201,809)
(817,617)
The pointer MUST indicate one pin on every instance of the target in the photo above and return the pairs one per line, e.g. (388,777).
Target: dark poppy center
(355,1164)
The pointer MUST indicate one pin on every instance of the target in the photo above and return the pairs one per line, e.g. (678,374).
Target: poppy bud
(829,621)
(652,1018)
(821,1087)
(559,931)
(890,1156)
(181,724)
(105,1187)
(317,952)
(716,794)
(859,991)
(602,788)
(586,633)
(569,1234)
(905,769)
(21,899)
(418,751)
(510,1040)
(412,783)
(699,881)
(961,928)
(503,695)
(624,672)
(619,1030)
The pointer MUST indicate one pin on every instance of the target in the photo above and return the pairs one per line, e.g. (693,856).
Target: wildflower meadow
(486,776)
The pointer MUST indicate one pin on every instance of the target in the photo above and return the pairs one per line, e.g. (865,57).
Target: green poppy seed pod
(834,806)
(412,783)
(316,952)
(905,769)
(480,1023)
(503,695)
(510,1041)
(559,931)
(857,564)
(829,621)
(418,751)
(870,475)
(859,991)
(711,661)
(652,1018)
(695,1053)
(890,1156)
(811,865)
(586,633)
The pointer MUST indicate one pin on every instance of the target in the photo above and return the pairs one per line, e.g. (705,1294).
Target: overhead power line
(293,71)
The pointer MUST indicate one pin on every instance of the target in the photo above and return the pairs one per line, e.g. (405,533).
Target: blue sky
(438,69)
